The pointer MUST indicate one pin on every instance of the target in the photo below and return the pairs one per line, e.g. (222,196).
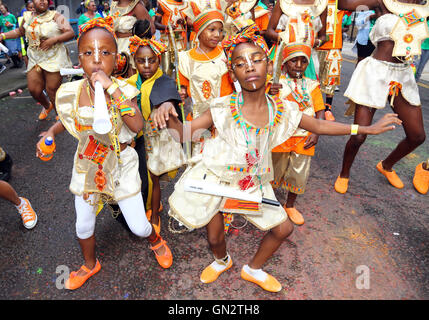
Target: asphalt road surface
(370,243)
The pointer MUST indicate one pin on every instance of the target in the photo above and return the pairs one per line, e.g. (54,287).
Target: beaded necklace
(302,96)
(254,157)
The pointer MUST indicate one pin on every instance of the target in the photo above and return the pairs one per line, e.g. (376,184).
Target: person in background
(423,58)
(29,6)
(90,14)
(8,23)
(365,20)
(106,9)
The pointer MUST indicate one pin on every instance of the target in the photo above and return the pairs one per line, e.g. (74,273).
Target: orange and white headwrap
(292,50)
(105,23)
(204,19)
(135,43)
(249,34)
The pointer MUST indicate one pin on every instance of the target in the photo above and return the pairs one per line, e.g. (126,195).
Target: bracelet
(354,129)
(127,110)
(3,36)
(110,90)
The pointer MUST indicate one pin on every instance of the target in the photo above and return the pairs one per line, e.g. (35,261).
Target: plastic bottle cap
(49,141)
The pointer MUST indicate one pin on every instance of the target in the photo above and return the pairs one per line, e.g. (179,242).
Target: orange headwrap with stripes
(135,43)
(204,19)
(105,23)
(249,34)
(293,50)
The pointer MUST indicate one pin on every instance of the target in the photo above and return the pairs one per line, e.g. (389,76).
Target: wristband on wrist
(354,129)
(3,36)
(127,110)
(112,88)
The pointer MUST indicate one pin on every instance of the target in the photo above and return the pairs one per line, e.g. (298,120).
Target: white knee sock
(259,274)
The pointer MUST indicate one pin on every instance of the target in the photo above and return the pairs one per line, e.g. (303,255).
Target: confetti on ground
(39,271)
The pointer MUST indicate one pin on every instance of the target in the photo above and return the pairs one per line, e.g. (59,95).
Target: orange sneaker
(75,281)
(269,284)
(421,179)
(391,176)
(44,113)
(341,184)
(165,260)
(28,215)
(210,273)
(294,215)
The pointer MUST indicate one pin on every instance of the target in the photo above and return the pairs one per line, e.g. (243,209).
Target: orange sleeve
(318,103)
(184,82)
(262,22)
(226,86)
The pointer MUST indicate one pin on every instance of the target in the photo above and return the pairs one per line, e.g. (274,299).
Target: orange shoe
(44,113)
(391,176)
(210,274)
(421,179)
(269,284)
(294,215)
(341,185)
(75,281)
(165,260)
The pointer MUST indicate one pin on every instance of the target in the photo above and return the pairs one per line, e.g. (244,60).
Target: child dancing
(249,126)
(105,166)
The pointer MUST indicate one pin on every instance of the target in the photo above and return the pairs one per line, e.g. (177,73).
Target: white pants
(132,208)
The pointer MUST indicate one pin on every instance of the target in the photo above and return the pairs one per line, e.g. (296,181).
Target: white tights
(132,208)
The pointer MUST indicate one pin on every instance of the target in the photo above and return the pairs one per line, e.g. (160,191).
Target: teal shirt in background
(9,18)
(425,44)
(84,19)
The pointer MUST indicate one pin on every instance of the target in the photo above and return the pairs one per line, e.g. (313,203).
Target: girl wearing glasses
(249,126)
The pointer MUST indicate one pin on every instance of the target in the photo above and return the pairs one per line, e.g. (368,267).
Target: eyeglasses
(97,54)
(242,63)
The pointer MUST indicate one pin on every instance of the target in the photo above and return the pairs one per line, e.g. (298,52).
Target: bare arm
(274,21)
(166,116)
(141,13)
(158,24)
(329,128)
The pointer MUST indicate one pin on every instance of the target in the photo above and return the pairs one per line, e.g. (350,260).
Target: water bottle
(47,147)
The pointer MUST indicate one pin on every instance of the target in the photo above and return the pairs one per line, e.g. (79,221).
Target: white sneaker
(28,215)
(3,68)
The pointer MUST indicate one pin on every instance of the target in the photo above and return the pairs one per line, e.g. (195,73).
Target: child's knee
(84,230)
(142,230)
(283,231)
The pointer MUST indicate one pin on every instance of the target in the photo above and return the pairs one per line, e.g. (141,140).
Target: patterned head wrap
(293,50)
(204,19)
(135,43)
(105,23)
(249,34)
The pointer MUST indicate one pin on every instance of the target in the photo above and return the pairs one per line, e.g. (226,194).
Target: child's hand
(275,89)
(43,135)
(386,123)
(101,77)
(47,44)
(183,93)
(162,113)
(311,140)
